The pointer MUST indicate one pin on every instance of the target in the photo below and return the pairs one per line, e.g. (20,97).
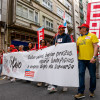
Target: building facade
(22,18)
(3,8)
(80,15)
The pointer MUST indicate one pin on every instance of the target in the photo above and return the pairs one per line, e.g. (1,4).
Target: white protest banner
(56,65)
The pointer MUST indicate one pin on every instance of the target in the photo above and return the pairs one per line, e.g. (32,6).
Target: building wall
(80,6)
(22,23)
(3,12)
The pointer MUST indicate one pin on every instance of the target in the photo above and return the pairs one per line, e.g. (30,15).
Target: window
(67,4)
(68,17)
(47,23)
(31,14)
(36,17)
(43,21)
(60,12)
(51,25)
(76,13)
(19,10)
(27,13)
(0,4)
(47,3)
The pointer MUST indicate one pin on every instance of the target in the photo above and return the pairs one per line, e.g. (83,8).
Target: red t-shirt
(43,47)
(32,49)
(14,50)
(1,58)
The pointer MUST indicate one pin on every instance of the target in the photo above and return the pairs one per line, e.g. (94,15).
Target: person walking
(13,49)
(21,48)
(88,48)
(43,44)
(61,37)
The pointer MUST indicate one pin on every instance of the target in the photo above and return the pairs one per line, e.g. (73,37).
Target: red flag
(40,36)
(72,38)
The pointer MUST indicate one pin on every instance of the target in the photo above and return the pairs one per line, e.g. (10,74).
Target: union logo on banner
(93,18)
(29,73)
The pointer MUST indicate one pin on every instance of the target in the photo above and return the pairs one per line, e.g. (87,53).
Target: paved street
(29,91)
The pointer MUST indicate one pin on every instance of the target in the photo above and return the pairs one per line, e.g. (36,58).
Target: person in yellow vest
(88,48)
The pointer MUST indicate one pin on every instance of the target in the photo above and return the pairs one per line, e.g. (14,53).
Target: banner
(56,65)
(93,18)
(40,33)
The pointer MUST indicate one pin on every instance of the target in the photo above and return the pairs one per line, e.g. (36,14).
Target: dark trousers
(92,71)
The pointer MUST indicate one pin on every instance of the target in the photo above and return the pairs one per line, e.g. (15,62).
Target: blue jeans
(82,64)
(0,69)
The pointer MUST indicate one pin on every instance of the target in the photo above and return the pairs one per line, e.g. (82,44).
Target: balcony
(80,4)
(36,23)
(70,1)
(81,13)
(81,21)
(70,12)
(37,1)
(48,28)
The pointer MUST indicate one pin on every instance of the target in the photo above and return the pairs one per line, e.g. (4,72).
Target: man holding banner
(88,48)
(61,37)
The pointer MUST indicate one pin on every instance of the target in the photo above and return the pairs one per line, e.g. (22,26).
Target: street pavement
(22,90)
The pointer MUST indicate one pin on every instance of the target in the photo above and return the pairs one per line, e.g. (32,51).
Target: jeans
(97,66)
(92,71)
(0,69)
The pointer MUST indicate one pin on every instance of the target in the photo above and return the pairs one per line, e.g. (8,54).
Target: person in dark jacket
(59,38)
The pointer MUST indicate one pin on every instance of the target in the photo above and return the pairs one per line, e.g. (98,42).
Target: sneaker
(13,80)
(8,78)
(79,96)
(65,89)
(52,88)
(46,84)
(4,77)
(39,84)
(91,95)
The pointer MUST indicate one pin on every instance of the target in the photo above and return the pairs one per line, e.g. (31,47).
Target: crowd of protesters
(87,48)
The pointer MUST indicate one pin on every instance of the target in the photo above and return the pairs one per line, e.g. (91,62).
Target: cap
(61,26)
(84,25)
(12,46)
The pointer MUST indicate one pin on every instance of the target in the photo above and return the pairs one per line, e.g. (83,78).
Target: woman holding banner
(13,49)
(43,44)
(30,46)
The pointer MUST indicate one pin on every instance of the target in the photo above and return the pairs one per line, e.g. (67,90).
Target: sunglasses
(81,27)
